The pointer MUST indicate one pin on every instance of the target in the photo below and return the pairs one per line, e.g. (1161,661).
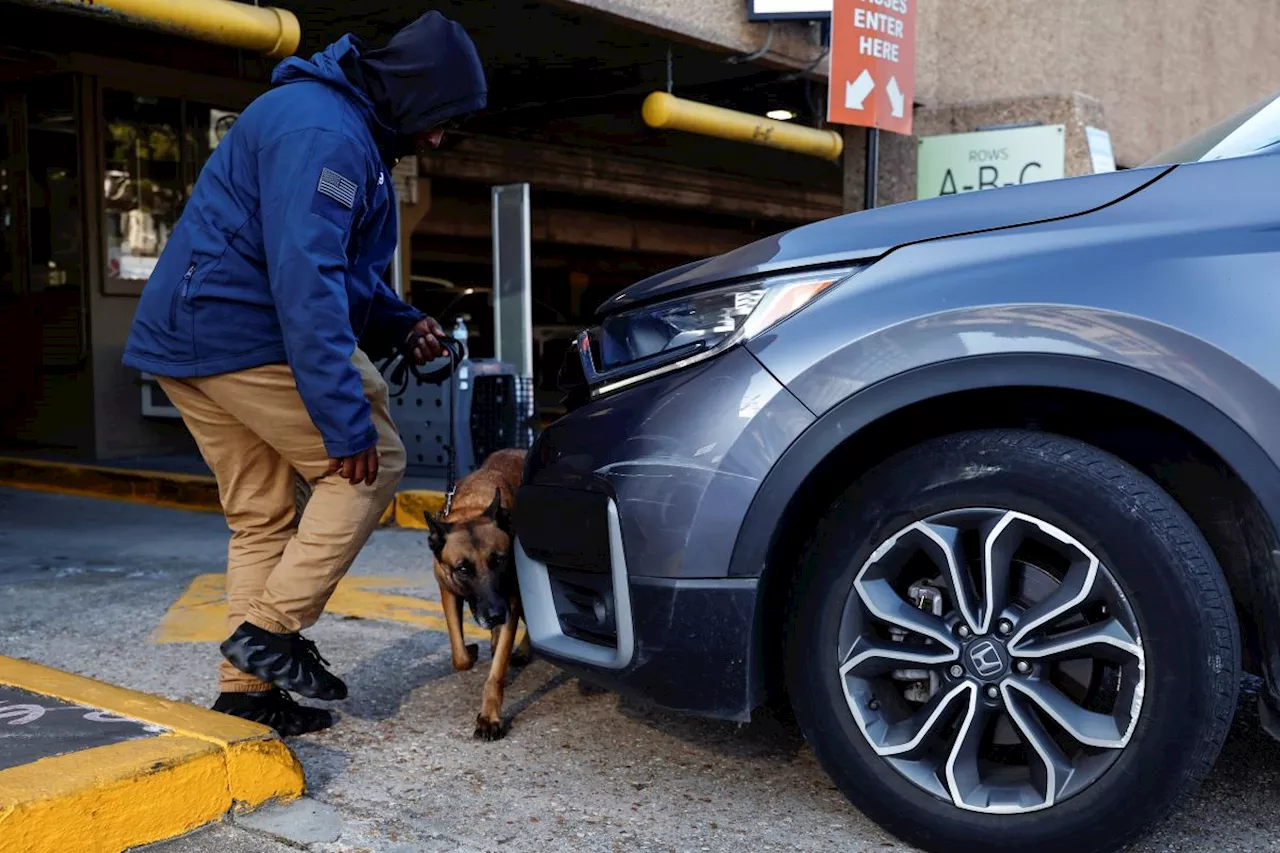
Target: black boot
(289,661)
(276,709)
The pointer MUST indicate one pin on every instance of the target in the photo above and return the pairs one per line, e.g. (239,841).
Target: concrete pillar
(895,177)
(897,174)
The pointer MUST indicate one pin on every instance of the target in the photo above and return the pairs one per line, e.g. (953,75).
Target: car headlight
(635,345)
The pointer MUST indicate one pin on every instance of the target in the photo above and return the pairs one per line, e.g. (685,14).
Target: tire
(1168,686)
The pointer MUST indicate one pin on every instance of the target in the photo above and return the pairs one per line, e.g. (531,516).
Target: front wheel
(1010,641)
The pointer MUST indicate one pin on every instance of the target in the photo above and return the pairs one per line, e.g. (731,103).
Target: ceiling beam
(575,170)
(470,218)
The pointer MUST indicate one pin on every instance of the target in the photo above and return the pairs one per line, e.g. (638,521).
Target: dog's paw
(521,656)
(489,730)
(473,654)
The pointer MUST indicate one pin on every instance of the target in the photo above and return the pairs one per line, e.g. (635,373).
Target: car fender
(845,420)
(1140,386)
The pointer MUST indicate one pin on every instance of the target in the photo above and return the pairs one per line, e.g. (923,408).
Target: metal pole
(397,274)
(873,160)
(661,110)
(262,29)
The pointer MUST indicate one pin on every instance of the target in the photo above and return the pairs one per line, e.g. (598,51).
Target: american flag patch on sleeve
(337,188)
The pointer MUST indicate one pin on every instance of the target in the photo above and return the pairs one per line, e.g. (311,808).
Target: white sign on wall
(404,176)
(1104,159)
(220,122)
(968,162)
(801,10)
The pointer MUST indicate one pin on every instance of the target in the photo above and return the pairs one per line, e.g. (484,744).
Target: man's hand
(428,346)
(362,467)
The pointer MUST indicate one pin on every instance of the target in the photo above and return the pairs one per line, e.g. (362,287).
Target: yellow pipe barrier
(262,29)
(662,110)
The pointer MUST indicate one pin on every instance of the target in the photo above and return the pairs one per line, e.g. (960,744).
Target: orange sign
(873,69)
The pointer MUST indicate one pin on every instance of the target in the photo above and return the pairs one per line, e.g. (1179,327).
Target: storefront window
(155,147)
(53,182)
(143,184)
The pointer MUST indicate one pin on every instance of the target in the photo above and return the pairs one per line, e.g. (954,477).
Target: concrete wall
(718,24)
(120,430)
(1163,69)
(897,171)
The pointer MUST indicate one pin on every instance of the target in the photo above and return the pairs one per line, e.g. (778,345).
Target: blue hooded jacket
(278,255)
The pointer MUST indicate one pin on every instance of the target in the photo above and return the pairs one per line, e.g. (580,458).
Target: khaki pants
(254,432)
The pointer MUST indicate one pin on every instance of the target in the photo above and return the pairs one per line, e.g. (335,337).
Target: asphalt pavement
(86,584)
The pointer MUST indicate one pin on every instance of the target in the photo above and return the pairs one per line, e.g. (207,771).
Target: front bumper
(683,644)
(628,518)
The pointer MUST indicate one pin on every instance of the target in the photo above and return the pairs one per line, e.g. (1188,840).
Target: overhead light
(781,115)
(468,291)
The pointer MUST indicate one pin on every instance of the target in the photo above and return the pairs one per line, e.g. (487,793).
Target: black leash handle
(401,366)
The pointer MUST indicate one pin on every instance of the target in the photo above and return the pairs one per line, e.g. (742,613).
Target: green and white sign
(967,162)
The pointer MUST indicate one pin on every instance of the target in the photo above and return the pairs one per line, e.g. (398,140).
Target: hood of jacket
(331,66)
(429,72)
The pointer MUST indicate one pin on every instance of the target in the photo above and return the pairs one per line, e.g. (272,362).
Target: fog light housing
(584,604)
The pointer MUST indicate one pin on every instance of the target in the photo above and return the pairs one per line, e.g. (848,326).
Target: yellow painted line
(200,614)
(119,796)
(362,597)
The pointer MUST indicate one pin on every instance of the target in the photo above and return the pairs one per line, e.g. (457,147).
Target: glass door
(45,398)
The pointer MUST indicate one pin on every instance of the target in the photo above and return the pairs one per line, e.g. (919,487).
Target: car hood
(870,234)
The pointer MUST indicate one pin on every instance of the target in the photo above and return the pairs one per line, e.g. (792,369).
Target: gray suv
(986,487)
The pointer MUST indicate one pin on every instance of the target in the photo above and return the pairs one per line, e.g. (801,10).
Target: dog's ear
(497,513)
(439,531)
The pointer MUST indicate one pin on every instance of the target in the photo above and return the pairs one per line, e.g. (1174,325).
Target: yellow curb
(115,797)
(411,504)
(170,490)
(111,798)
(157,488)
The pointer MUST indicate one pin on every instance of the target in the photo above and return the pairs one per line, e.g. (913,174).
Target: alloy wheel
(992,660)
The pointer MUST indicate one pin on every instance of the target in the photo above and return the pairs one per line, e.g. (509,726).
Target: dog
(471,547)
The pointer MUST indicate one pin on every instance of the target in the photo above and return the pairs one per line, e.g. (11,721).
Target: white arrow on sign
(896,101)
(856,92)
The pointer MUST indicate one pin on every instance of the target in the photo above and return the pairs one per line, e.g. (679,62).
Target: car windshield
(1247,132)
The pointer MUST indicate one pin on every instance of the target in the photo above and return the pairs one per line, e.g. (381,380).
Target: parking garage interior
(100,147)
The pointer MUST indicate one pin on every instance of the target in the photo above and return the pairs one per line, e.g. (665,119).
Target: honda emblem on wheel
(986,658)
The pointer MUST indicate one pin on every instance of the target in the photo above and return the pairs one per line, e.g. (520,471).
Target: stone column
(897,174)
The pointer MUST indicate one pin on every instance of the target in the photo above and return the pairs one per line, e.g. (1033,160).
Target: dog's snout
(491,615)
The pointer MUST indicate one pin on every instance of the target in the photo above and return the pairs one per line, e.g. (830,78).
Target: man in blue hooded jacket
(260,320)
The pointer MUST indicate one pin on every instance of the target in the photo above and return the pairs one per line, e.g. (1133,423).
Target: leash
(402,366)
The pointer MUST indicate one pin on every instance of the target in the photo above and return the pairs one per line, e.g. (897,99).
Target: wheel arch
(1223,479)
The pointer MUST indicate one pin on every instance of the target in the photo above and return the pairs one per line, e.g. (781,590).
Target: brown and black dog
(474,565)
